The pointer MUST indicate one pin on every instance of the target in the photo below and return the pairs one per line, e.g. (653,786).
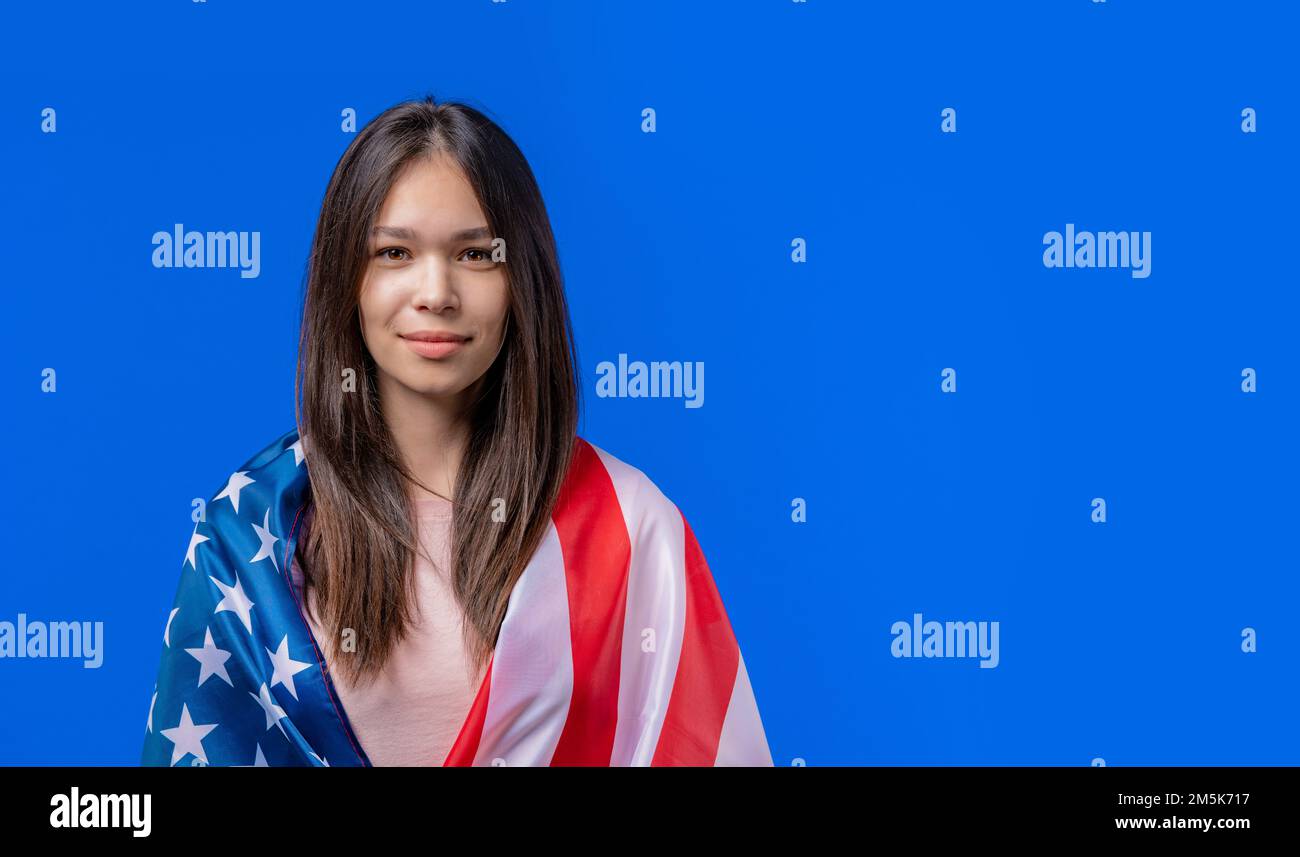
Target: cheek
(375,304)
(498,305)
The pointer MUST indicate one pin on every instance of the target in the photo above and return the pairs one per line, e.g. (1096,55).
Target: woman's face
(430,274)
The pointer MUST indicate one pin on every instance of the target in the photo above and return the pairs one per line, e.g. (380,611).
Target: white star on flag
(167,632)
(236,484)
(235,601)
(212,661)
(188,737)
(267,548)
(195,540)
(296,446)
(272,711)
(259,759)
(285,667)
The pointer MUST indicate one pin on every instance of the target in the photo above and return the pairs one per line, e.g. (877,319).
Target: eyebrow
(407,234)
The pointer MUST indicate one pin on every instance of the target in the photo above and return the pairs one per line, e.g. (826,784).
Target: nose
(435,288)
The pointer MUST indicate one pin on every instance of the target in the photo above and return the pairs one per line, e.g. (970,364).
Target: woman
(433,568)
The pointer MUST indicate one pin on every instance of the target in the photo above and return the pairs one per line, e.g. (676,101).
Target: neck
(431,433)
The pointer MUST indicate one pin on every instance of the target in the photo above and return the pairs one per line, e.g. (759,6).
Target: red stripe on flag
(465,748)
(706,671)
(596,549)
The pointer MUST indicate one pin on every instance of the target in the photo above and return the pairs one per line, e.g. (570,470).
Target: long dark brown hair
(361,545)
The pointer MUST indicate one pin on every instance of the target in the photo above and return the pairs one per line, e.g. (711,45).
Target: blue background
(776,120)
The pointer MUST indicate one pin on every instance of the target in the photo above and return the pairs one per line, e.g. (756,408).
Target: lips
(434,336)
(435,343)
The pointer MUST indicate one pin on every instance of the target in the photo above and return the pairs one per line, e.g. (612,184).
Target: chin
(438,387)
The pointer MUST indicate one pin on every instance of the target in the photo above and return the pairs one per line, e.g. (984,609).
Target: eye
(388,250)
(479,254)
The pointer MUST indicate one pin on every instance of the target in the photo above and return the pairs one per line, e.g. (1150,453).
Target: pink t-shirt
(412,712)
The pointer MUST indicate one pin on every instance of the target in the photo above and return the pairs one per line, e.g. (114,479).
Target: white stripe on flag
(743,741)
(656,599)
(532,669)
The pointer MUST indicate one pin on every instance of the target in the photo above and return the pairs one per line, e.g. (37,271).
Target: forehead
(431,193)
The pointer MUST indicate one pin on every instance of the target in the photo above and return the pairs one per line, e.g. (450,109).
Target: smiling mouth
(436,349)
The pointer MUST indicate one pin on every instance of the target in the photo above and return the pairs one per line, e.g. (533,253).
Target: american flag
(615,648)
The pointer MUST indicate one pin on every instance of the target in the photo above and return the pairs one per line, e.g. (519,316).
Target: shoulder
(645,508)
(621,508)
(266,481)
(286,445)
